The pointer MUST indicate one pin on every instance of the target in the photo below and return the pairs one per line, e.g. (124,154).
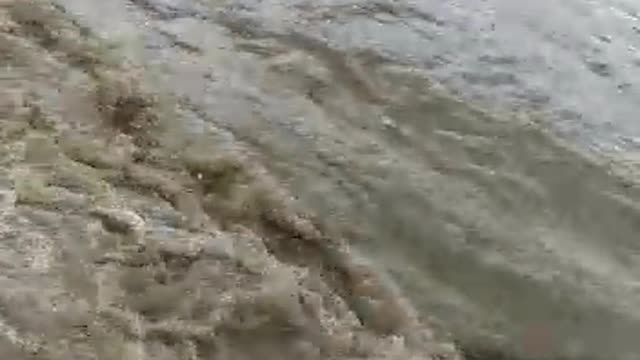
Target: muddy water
(494,229)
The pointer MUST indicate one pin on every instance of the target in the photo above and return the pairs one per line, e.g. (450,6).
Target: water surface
(459,146)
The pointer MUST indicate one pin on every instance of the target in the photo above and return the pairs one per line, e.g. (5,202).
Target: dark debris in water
(175,41)
(599,68)
(166,10)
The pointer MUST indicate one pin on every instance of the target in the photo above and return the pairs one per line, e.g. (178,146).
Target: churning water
(466,171)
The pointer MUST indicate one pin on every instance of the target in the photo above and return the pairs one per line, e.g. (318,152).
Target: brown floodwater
(202,179)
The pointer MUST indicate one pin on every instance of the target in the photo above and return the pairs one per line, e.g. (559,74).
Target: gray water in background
(578,59)
(490,226)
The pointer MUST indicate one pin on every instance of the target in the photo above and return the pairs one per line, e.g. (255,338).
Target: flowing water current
(328,179)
